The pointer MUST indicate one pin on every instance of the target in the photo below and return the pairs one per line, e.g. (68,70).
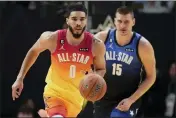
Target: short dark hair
(125,10)
(76,7)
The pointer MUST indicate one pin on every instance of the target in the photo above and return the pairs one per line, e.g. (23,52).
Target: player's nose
(78,23)
(122,26)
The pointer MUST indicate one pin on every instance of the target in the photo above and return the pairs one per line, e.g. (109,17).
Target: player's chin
(78,32)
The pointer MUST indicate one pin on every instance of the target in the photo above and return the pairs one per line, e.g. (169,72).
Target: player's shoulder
(97,41)
(98,45)
(102,34)
(144,44)
(91,36)
(49,35)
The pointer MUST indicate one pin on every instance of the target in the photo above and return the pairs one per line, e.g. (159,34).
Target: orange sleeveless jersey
(68,64)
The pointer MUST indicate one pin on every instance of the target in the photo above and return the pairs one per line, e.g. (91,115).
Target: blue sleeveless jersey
(123,74)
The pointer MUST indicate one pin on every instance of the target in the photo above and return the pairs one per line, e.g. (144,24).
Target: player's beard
(76,35)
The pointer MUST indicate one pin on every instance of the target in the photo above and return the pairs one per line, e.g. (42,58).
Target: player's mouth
(78,29)
(123,30)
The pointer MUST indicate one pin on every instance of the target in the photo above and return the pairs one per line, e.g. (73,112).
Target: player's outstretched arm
(43,43)
(99,59)
(146,54)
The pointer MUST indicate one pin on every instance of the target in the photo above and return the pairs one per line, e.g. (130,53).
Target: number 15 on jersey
(117,69)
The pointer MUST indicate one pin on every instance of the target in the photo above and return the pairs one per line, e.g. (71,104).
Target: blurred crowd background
(21,24)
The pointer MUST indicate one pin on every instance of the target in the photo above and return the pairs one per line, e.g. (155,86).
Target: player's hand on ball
(124,105)
(17,88)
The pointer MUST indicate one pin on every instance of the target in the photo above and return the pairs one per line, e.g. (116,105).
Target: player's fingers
(124,107)
(13,97)
(119,108)
(17,94)
(42,113)
(13,93)
(20,90)
(91,71)
(121,103)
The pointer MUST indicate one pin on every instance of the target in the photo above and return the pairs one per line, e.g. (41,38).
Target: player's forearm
(101,72)
(27,63)
(143,88)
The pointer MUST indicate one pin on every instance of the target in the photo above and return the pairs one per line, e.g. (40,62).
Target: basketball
(93,87)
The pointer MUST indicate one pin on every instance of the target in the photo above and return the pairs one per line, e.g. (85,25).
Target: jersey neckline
(77,44)
(131,40)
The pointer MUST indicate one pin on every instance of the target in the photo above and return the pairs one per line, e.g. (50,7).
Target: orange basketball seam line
(101,91)
(92,87)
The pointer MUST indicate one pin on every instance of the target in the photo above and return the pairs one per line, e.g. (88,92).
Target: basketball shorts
(107,109)
(55,104)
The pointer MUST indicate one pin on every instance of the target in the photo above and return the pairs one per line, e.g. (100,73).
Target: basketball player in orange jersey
(73,51)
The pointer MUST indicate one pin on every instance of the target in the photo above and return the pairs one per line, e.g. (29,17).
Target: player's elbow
(33,52)
(152,78)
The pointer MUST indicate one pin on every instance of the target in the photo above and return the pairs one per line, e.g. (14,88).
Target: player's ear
(134,21)
(115,20)
(67,21)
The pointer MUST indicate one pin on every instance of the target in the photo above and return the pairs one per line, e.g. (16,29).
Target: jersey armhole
(92,41)
(137,49)
(58,38)
(142,73)
(106,39)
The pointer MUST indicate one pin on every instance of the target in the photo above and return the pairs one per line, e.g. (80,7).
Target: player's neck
(73,41)
(123,40)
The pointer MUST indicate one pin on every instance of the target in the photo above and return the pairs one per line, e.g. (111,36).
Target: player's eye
(119,21)
(82,19)
(126,22)
(74,19)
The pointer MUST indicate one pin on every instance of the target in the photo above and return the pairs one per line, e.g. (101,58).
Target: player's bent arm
(102,35)
(99,59)
(43,43)
(146,54)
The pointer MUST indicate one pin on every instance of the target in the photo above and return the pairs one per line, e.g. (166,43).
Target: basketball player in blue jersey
(127,55)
